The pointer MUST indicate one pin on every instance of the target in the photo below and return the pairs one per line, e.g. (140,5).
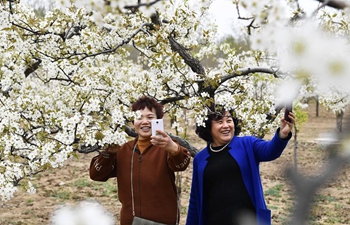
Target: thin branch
(134,8)
(124,42)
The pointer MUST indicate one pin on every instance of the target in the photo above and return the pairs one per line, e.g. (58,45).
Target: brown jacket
(154,187)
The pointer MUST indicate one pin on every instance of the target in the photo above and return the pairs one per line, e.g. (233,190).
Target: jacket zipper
(140,160)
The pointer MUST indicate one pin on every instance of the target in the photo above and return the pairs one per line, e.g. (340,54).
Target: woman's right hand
(286,126)
(113,148)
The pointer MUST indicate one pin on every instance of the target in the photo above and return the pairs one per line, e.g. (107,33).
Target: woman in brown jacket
(144,168)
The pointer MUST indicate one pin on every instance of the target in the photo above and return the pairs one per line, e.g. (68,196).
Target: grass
(29,201)
(322,198)
(28,211)
(64,195)
(319,211)
(275,191)
(81,182)
(85,187)
(107,188)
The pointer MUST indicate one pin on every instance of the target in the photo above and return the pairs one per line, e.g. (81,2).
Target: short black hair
(205,132)
(150,103)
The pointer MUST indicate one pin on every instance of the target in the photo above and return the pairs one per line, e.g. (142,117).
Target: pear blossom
(85,212)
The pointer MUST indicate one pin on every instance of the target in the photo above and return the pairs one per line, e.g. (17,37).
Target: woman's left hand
(163,140)
(286,127)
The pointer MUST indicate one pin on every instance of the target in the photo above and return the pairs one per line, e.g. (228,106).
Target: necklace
(218,150)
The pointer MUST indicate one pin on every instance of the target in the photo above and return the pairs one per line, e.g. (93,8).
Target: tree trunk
(295,148)
(340,116)
(317,105)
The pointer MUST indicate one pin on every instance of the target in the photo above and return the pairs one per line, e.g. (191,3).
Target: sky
(222,11)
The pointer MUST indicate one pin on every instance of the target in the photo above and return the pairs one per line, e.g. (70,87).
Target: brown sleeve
(103,167)
(180,160)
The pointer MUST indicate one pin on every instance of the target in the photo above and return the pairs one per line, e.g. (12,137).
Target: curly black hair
(205,132)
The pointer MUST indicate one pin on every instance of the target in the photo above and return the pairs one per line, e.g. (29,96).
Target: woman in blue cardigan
(226,185)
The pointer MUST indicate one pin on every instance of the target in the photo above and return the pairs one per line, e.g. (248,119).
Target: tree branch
(32,68)
(306,188)
(337,4)
(192,62)
(246,71)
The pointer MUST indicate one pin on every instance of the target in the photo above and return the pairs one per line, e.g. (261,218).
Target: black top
(226,198)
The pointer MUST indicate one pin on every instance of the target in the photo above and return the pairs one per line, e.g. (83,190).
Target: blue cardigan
(248,151)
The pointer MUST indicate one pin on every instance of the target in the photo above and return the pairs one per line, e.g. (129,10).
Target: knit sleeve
(180,160)
(102,167)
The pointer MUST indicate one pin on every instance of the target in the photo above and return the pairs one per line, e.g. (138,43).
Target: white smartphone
(157,125)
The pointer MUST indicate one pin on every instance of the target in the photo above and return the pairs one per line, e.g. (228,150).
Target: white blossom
(87,213)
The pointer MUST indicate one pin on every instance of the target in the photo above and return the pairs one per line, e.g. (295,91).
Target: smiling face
(142,124)
(222,130)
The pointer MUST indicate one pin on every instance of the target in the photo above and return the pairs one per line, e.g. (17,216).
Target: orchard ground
(71,184)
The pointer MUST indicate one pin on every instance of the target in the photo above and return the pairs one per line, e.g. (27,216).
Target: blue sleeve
(269,150)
